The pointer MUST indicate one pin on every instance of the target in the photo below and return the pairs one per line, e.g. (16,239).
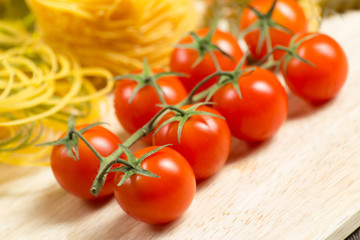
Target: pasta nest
(115,34)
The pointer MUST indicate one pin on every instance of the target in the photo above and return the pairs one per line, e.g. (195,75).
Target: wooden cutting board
(302,184)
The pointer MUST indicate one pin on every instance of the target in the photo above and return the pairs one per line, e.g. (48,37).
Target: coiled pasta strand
(39,90)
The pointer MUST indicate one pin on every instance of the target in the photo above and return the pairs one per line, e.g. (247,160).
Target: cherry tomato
(205,140)
(142,108)
(183,59)
(157,200)
(323,80)
(262,109)
(287,13)
(76,177)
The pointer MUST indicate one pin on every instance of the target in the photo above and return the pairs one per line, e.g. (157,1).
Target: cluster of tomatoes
(248,102)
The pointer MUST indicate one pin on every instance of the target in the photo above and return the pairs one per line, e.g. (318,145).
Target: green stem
(269,47)
(107,162)
(213,57)
(269,64)
(198,97)
(267,61)
(89,145)
(194,98)
(179,110)
(101,177)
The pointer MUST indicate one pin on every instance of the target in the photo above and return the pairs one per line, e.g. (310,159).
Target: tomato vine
(249,102)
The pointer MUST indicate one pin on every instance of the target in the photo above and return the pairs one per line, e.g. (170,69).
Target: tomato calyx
(225,77)
(291,51)
(263,24)
(182,115)
(204,45)
(133,165)
(148,78)
(231,77)
(71,139)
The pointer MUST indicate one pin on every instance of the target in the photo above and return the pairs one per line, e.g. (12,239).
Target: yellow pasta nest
(115,34)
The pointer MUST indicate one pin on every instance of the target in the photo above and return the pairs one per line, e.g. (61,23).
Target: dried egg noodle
(39,89)
(115,34)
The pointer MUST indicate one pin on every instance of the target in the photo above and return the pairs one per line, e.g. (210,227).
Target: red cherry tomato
(157,200)
(142,108)
(260,112)
(183,59)
(76,177)
(323,80)
(205,141)
(287,13)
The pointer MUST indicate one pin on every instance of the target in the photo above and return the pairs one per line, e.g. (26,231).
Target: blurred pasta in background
(115,34)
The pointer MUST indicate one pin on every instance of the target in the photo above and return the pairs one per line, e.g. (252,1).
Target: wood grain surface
(302,184)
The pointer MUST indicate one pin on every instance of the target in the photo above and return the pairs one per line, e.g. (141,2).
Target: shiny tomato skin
(205,141)
(76,177)
(260,112)
(287,13)
(143,106)
(324,81)
(182,60)
(157,200)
